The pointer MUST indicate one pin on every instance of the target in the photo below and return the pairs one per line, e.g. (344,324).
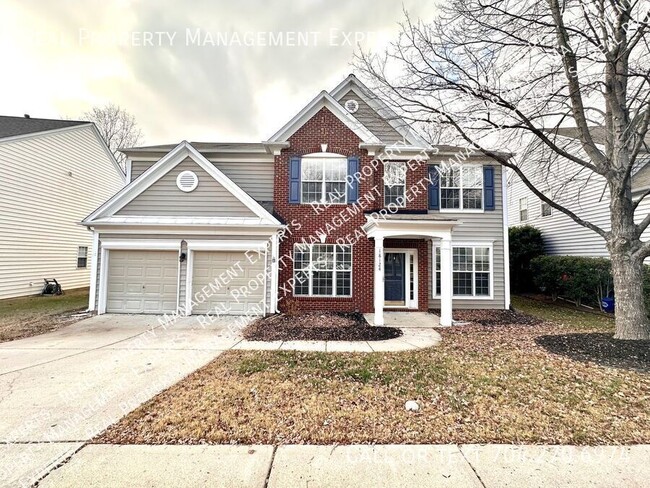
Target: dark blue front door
(394,270)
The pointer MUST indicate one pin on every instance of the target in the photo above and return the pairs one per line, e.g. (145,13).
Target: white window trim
(410,255)
(541,209)
(473,244)
(403,164)
(334,271)
(461,188)
(521,209)
(323,181)
(79,256)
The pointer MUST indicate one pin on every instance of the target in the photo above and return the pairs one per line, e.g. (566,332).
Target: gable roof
(323,99)
(380,107)
(19,126)
(161,168)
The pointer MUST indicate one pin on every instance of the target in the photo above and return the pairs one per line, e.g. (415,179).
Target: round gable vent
(351,106)
(187,181)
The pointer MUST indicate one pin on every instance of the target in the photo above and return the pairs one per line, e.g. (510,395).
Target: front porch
(396,281)
(407,320)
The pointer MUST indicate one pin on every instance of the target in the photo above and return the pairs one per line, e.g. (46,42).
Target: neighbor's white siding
(587,197)
(48,184)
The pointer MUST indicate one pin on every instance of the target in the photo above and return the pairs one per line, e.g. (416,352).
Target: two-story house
(583,192)
(344,208)
(52,173)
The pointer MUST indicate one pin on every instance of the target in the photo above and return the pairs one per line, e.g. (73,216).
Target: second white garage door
(142,281)
(229,298)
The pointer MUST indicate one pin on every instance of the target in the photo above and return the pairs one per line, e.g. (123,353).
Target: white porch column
(379,280)
(445,282)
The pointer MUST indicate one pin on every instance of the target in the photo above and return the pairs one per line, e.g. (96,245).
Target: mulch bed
(600,348)
(493,317)
(317,326)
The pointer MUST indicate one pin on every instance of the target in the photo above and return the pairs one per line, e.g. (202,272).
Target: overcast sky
(215,71)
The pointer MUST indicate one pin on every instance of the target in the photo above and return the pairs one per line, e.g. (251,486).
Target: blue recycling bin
(608,304)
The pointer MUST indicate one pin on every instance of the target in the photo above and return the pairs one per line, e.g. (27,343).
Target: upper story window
(394,183)
(461,187)
(545,209)
(323,179)
(523,209)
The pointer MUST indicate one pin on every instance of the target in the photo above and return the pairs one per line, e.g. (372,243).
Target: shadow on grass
(600,348)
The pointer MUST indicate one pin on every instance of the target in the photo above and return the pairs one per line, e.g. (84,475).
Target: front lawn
(29,316)
(482,384)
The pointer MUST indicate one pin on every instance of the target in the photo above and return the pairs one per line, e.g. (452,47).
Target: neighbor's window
(82,257)
(461,187)
(322,270)
(323,180)
(523,209)
(545,209)
(471,271)
(394,183)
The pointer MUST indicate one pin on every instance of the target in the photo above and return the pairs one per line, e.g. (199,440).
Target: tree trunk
(631,316)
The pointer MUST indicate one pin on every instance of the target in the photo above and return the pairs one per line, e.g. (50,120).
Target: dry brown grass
(481,384)
(34,315)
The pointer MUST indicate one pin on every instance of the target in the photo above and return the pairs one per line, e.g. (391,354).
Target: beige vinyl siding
(164,198)
(477,228)
(374,122)
(48,184)
(253,173)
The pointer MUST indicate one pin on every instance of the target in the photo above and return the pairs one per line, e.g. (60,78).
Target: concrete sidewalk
(358,465)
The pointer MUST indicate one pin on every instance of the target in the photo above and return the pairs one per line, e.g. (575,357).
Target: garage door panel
(142,281)
(227,272)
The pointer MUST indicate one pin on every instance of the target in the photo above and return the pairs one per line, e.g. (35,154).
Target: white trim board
(161,168)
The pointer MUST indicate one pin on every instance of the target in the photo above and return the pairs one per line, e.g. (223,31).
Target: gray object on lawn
(51,287)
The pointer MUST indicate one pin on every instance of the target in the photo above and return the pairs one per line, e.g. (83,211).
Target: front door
(394,284)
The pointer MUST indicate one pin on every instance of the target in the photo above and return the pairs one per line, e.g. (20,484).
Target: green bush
(526,243)
(581,279)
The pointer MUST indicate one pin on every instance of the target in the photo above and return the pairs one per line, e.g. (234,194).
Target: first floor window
(322,270)
(461,187)
(323,179)
(82,257)
(394,183)
(471,271)
(523,209)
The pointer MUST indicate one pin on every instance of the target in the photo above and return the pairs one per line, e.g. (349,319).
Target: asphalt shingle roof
(18,126)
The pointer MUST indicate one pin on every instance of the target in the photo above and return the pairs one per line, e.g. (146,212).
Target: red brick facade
(304,221)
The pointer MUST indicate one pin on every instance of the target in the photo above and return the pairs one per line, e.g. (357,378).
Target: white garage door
(231,290)
(142,281)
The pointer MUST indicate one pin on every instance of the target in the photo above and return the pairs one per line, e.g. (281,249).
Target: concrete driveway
(60,389)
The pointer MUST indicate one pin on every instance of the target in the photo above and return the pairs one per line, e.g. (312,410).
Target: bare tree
(509,73)
(118,128)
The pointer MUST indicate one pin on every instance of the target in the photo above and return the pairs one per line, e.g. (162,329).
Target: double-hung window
(523,209)
(471,271)
(461,187)
(323,179)
(545,209)
(82,257)
(394,183)
(322,270)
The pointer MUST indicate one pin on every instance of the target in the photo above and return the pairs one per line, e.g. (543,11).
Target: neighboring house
(342,209)
(52,173)
(582,192)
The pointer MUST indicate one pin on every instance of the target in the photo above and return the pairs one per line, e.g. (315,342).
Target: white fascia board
(142,244)
(379,106)
(226,245)
(162,167)
(323,99)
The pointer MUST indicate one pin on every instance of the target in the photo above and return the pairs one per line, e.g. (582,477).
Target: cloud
(70,56)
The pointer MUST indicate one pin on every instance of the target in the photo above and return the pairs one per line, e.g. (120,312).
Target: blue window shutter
(434,188)
(488,187)
(353,182)
(294,180)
